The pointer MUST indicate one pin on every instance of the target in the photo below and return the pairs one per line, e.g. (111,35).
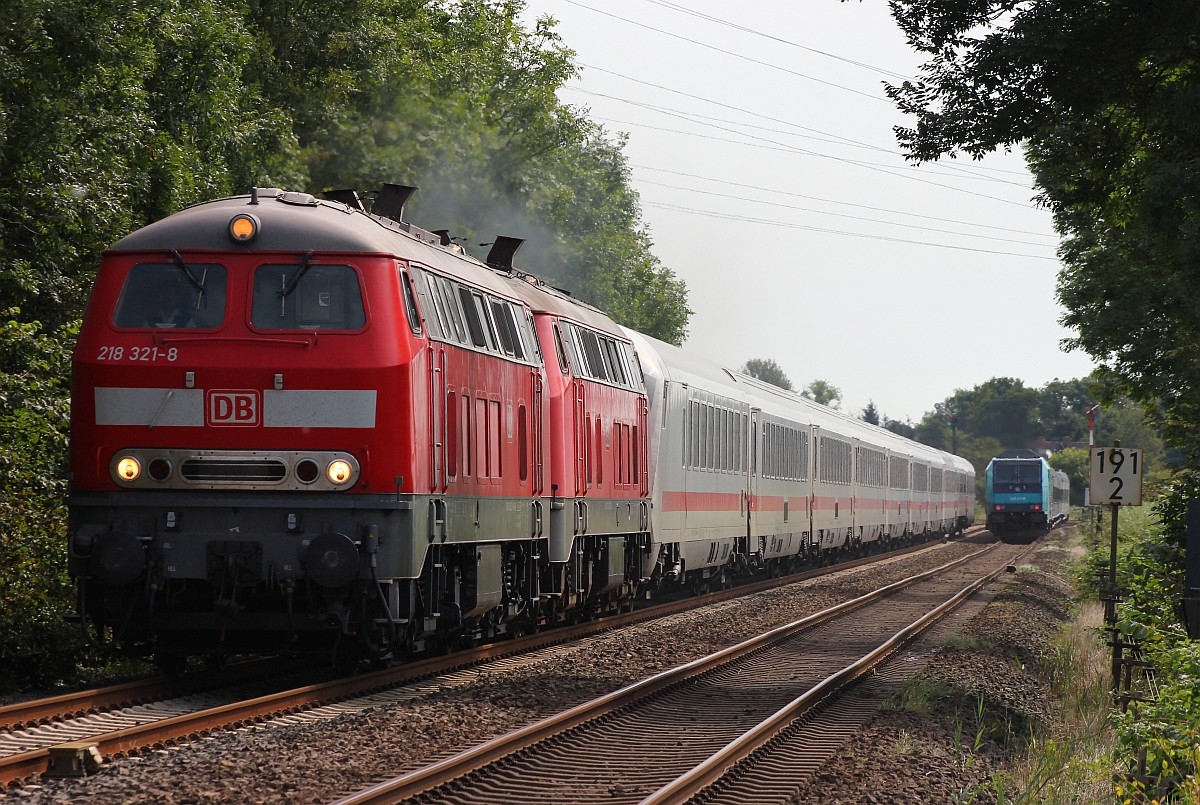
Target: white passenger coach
(742,468)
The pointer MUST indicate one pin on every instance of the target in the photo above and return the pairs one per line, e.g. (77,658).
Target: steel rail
(428,777)
(56,708)
(16,715)
(691,783)
(173,729)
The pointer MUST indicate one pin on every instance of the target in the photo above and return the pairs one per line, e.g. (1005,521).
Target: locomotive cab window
(410,304)
(172,295)
(304,296)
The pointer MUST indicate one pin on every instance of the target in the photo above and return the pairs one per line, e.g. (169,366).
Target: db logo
(229,408)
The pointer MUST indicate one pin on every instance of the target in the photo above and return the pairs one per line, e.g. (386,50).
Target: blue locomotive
(1025,495)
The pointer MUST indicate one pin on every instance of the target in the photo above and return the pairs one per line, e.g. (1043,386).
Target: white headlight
(339,471)
(128,469)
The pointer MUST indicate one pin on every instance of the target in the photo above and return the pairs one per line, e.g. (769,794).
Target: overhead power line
(804,227)
(773,38)
(772,145)
(838,214)
(732,53)
(834,201)
(827,137)
(793,148)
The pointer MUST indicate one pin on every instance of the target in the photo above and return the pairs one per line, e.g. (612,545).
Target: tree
(115,115)
(1127,423)
(1076,463)
(906,429)
(768,371)
(1103,99)
(1001,408)
(823,392)
(870,414)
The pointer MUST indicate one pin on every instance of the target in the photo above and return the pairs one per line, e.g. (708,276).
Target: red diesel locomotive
(298,426)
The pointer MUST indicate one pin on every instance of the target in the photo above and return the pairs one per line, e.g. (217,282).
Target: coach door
(750,496)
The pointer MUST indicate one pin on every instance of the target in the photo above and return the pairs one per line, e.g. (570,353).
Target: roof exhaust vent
(390,201)
(502,252)
(348,197)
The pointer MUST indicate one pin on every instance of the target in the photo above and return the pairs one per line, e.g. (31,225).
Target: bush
(37,647)
(1150,578)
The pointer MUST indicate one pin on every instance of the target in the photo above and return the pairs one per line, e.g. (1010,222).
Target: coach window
(172,295)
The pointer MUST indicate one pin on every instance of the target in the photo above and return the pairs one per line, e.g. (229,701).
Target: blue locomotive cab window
(172,295)
(1023,476)
(304,296)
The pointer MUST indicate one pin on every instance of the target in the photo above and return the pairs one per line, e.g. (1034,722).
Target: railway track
(703,728)
(52,734)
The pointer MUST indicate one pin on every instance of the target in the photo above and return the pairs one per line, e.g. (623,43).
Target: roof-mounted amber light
(243,227)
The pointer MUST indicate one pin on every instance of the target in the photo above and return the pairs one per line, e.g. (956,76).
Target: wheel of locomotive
(216,662)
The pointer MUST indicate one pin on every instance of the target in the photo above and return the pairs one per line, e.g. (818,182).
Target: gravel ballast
(319,759)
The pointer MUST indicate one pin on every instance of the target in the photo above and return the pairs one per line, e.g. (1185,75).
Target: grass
(918,695)
(1073,761)
(966,643)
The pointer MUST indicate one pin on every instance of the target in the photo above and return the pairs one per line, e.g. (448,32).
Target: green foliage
(823,392)
(469,115)
(1076,463)
(870,414)
(1104,97)
(36,647)
(906,429)
(1149,578)
(114,115)
(768,371)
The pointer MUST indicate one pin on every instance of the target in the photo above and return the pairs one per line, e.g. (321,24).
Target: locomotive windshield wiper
(290,286)
(197,284)
(291,283)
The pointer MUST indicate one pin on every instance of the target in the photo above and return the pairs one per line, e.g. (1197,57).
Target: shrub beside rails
(299,426)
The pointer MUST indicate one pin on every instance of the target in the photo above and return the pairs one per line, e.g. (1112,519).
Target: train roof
(700,372)
(292,222)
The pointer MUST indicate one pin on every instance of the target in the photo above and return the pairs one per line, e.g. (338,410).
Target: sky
(761,144)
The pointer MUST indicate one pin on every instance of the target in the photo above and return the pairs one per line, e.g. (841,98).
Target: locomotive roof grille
(233,470)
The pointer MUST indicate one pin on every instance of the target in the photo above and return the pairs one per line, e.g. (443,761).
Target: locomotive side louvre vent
(233,470)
